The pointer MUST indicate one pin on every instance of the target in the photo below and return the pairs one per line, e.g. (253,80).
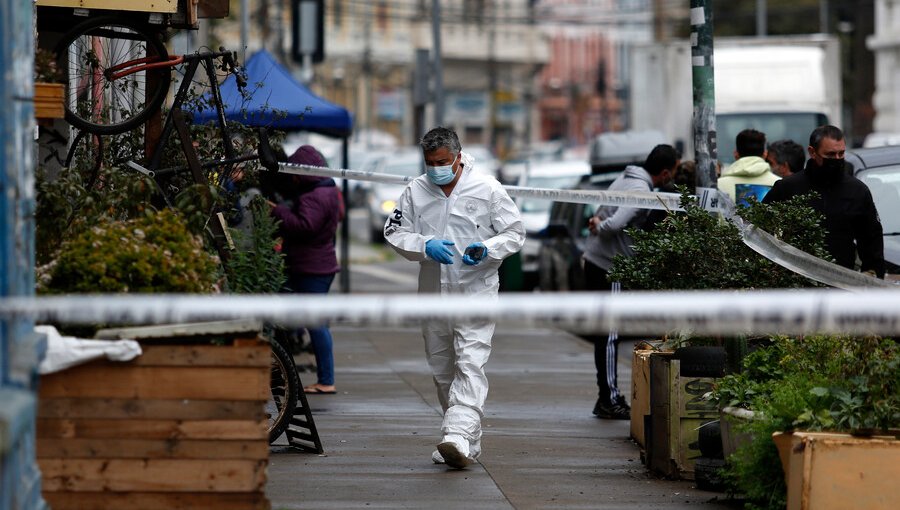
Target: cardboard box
(826,471)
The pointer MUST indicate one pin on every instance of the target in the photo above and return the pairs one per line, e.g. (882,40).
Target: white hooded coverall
(478,210)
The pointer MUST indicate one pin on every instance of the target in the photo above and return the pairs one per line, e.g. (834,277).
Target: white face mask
(441,175)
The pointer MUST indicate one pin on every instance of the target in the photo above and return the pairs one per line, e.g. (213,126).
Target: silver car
(382,198)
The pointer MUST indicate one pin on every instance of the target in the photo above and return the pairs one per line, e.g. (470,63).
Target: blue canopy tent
(278,101)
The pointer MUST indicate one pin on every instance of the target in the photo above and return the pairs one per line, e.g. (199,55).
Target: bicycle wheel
(85,156)
(96,99)
(285,385)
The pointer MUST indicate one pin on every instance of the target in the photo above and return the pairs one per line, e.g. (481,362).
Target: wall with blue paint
(20,480)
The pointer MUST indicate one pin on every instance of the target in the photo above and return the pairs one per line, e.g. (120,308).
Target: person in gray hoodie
(750,176)
(608,238)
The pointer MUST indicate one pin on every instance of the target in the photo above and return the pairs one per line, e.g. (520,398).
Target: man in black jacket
(851,220)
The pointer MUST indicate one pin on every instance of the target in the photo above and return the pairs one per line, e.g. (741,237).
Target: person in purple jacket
(308,218)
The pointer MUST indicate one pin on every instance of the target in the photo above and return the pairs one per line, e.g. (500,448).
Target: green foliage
(45,68)
(256,267)
(76,198)
(97,189)
(834,383)
(697,250)
(154,253)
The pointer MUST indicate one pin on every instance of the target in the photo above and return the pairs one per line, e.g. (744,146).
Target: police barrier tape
(758,240)
(641,200)
(693,312)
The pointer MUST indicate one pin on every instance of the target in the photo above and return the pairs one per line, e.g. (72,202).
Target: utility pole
(823,17)
(492,78)
(420,92)
(762,15)
(531,77)
(245,27)
(367,71)
(438,64)
(705,150)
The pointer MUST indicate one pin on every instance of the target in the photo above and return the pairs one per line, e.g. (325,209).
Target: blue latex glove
(436,249)
(475,253)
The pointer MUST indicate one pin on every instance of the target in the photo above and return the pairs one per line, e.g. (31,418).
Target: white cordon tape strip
(758,240)
(694,312)
(641,200)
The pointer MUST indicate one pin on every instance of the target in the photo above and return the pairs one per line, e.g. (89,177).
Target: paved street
(542,446)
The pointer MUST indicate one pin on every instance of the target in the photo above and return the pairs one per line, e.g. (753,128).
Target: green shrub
(833,383)
(154,253)
(698,250)
(255,266)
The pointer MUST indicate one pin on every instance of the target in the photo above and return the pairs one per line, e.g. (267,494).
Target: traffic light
(308,29)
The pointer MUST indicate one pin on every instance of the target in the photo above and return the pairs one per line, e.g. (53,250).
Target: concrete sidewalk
(542,446)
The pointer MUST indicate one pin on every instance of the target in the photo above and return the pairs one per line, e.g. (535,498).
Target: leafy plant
(68,203)
(697,250)
(45,68)
(256,266)
(155,253)
(820,382)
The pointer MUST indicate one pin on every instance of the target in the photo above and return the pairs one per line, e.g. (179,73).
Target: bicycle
(284,379)
(284,383)
(117,74)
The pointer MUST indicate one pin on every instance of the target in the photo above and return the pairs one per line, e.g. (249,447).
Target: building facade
(885,43)
(491,55)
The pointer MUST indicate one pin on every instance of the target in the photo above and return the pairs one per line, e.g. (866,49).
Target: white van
(612,152)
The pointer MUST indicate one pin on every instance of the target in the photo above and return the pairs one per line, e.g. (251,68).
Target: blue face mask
(440,175)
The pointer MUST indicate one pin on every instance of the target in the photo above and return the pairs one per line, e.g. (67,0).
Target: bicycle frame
(193,61)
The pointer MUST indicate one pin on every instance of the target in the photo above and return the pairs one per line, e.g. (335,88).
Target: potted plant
(183,424)
(49,90)
(697,250)
(832,405)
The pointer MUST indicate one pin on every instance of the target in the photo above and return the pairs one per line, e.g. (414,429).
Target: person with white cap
(459,225)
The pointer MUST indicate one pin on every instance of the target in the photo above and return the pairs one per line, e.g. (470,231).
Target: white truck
(782,86)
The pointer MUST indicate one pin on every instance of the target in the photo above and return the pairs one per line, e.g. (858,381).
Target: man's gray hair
(440,137)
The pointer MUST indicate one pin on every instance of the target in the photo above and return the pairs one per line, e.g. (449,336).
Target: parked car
(561,244)
(382,198)
(484,160)
(536,212)
(879,169)
(366,160)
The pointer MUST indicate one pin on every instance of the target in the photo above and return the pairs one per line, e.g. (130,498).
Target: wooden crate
(48,100)
(181,426)
(169,6)
(677,410)
(640,392)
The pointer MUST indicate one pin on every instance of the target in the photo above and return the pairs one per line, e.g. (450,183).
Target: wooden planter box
(181,426)
(677,411)
(640,392)
(826,471)
(48,100)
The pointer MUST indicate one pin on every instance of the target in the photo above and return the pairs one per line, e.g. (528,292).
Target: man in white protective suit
(459,224)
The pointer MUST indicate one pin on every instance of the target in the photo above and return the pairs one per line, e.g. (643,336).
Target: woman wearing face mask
(851,220)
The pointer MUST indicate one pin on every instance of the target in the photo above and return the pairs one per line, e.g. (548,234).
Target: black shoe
(617,411)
